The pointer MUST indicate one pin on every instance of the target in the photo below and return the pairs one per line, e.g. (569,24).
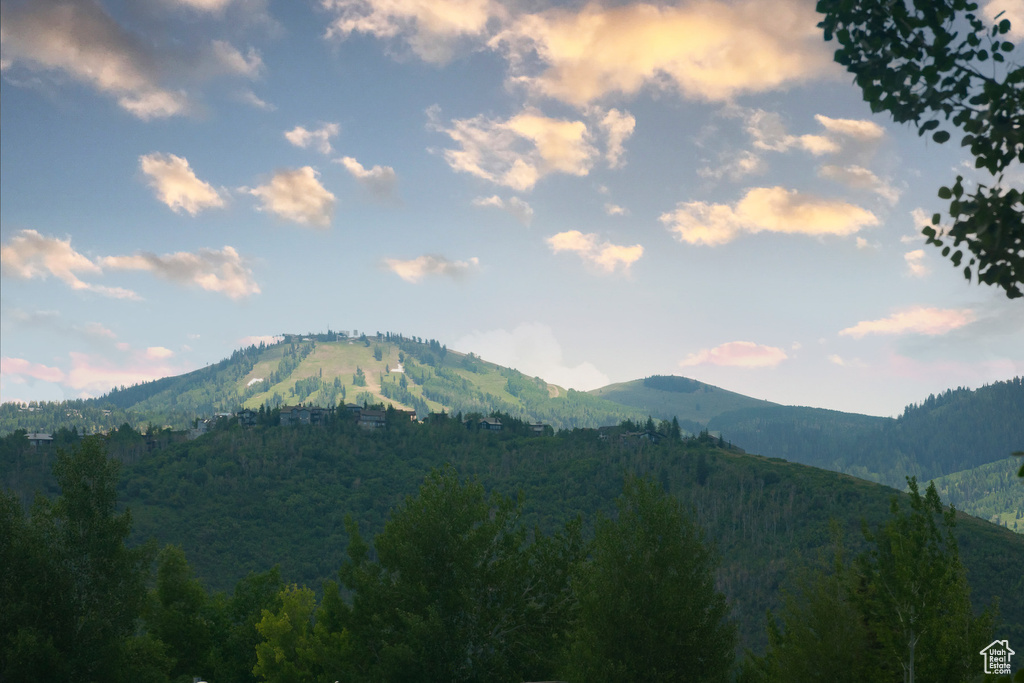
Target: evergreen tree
(648,609)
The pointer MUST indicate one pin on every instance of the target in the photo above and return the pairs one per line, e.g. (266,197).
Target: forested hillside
(246,499)
(326,370)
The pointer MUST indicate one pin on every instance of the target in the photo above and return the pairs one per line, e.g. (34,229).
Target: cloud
(320,139)
(296,195)
(223,271)
(231,60)
(83,41)
(250,98)
(29,255)
(19,367)
(532,349)
(212,6)
(864,244)
(176,184)
(735,166)
(430,27)
(917,320)
(604,255)
(520,151)
(766,209)
(97,375)
(257,339)
(522,211)
(614,210)
(860,178)
(380,180)
(705,50)
(1013,10)
(97,331)
(858,129)
(618,127)
(158,352)
(915,263)
(420,267)
(738,354)
(768,133)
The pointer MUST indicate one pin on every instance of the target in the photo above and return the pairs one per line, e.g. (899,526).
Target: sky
(591,193)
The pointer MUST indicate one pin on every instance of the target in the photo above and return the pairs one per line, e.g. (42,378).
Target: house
(405,415)
(490,423)
(247,417)
(39,439)
(353,408)
(303,415)
(538,428)
(372,419)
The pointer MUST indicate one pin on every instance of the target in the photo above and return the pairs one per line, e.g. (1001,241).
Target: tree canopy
(933,63)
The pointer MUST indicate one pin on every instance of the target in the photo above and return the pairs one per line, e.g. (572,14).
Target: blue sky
(590,193)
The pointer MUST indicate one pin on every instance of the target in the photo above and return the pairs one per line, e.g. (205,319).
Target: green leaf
(945,193)
(941,136)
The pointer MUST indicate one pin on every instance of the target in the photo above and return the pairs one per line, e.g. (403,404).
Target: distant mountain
(668,396)
(327,370)
(956,431)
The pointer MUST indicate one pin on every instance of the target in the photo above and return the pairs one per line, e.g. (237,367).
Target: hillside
(244,499)
(667,396)
(327,370)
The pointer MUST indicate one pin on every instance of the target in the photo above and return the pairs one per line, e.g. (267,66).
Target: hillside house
(372,419)
(492,424)
(538,428)
(39,439)
(303,415)
(247,417)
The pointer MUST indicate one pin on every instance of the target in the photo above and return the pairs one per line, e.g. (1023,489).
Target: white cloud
(618,127)
(176,184)
(257,339)
(864,244)
(414,270)
(97,331)
(917,320)
(232,61)
(915,262)
(532,349)
(430,27)
(739,354)
(735,166)
(82,40)
(706,50)
(518,152)
(296,195)
(858,129)
(1012,10)
(766,209)
(250,98)
(158,352)
(96,375)
(212,6)
(19,367)
(320,139)
(222,271)
(30,255)
(768,132)
(614,210)
(860,178)
(522,211)
(380,180)
(604,255)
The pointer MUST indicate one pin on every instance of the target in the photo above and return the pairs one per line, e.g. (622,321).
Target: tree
(71,589)
(648,609)
(458,593)
(909,59)
(914,595)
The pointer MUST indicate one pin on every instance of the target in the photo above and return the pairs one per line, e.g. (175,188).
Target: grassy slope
(698,406)
(992,491)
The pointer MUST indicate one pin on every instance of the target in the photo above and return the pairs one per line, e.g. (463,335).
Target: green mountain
(327,370)
(244,499)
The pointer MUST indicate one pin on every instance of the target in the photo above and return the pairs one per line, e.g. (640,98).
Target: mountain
(241,499)
(668,396)
(326,370)
(953,432)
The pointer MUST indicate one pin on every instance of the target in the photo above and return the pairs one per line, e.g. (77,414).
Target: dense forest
(239,502)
